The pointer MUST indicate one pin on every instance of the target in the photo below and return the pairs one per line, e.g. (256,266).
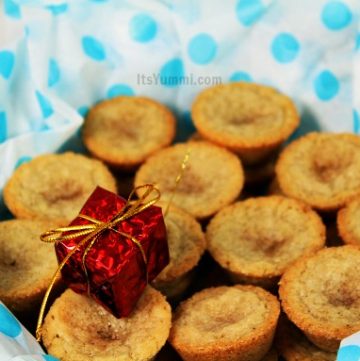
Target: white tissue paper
(16,343)
(58,58)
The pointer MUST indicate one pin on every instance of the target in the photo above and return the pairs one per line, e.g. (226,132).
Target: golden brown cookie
(251,119)
(54,187)
(186,246)
(257,239)
(212,179)
(78,329)
(348,222)
(124,131)
(294,346)
(26,264)
(321,295)
(225,323)
(321,169)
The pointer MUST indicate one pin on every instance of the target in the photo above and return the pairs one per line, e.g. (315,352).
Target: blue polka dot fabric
(350,348)
(58,58)
(16,343)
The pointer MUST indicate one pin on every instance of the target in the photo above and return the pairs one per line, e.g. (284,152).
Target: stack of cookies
(250,222)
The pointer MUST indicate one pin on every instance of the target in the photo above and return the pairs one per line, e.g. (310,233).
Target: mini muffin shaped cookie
(54,187)
(186,245)
(294,346)
(26,264)
(322,169)
(78,329)
(250,119)
(257,239)
(348,222)
(321,295)
(213,177)
(225,323)
(124,131)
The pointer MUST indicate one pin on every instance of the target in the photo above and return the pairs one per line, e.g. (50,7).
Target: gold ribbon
(91,232)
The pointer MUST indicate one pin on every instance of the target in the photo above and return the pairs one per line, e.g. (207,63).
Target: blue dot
(3,127)
(22,160)
(249,11)
(326,85)
(93,48)
(202,49)
(9,325)
(45,105)
(7,60)
(349,353)
(119,89)
(57,9)
(240,76)
(50,358)
(285,48)
(336,15)
(356,118)
(357,42)
(83,110)
(172,73)
(142,28)
(54,72)
(12,9)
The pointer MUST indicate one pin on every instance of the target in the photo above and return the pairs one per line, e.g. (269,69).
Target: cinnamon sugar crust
(321,295)
(321,169)
(212,179)
(78,329)
(225,323)
(124,131)
(26,264)
(54,187)
(257,239)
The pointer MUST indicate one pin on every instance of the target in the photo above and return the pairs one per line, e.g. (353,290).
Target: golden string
(92,231)
(179,177)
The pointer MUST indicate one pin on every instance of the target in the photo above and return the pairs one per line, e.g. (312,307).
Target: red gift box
(123,257)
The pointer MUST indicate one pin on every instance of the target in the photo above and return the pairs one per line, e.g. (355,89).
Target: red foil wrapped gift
(122,259)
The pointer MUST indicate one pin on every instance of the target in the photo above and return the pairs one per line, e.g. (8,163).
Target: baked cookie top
(222,317)
(26,264)
(212,179)
(124,131)
(186,244)
(348,222)
(78,329)
(244,115)
(260,237)
(322,169)
(54,187)
(321,293)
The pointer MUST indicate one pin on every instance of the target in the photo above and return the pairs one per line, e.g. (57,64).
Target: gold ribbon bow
(92,232)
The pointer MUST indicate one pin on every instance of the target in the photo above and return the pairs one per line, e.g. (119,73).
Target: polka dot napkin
(16,343)
(58,58)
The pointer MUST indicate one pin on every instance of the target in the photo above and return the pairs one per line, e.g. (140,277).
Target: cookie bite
(252,120)
(54,187)
(257,239)
(294,346)
(186,246)
(225,323)
(348,222)
(321,169)
(76,328)
(124,131)
(26,264)
(212,179)
(320,294)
